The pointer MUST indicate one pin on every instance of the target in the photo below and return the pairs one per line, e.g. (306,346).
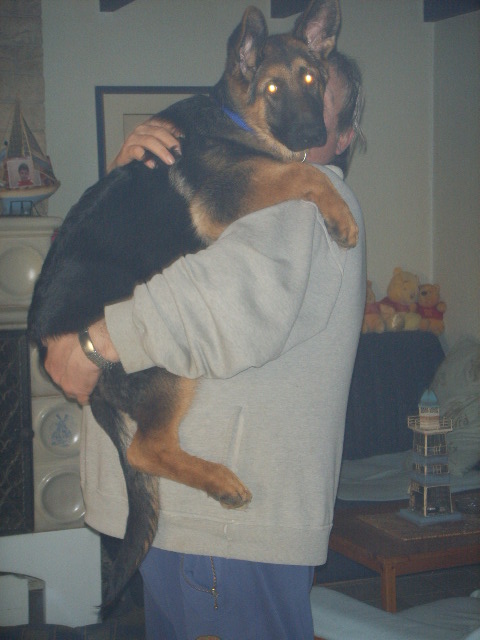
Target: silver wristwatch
(91,353)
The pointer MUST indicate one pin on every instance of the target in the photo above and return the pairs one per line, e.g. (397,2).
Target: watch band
(91,353)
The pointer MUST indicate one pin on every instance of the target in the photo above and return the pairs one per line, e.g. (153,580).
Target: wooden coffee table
(378,538)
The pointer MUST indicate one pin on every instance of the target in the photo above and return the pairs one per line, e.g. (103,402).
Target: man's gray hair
(351,112)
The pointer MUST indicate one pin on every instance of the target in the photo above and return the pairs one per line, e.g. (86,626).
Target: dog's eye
(272,88)
(308,78)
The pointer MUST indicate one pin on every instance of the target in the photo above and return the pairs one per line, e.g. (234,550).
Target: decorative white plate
(61,496)
(59,429)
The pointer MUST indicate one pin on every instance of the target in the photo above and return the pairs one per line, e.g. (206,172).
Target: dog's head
(277,83)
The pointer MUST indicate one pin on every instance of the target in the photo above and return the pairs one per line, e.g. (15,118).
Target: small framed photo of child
(21,174)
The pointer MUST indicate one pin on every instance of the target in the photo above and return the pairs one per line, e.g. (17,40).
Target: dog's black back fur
(124,229)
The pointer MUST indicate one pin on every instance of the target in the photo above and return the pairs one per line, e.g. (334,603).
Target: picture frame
(22,173)
(119,109)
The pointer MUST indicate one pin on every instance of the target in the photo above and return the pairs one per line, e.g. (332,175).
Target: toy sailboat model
(26,173)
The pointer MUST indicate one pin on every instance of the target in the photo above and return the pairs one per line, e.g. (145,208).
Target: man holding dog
(283,305)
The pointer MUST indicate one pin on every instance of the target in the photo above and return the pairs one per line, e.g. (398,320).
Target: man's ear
(344,140)
(318,26)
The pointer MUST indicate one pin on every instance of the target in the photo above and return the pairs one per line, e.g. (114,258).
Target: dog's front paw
(343,228)
(338,218)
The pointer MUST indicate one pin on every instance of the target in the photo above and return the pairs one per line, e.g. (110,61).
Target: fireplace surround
(39,428)
(41,507)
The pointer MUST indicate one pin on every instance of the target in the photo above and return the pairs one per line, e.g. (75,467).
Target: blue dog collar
(237,119)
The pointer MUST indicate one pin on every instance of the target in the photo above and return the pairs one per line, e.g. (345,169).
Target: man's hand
(154,136)
(70,368)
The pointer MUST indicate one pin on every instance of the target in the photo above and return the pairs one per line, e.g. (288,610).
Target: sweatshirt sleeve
(270,281)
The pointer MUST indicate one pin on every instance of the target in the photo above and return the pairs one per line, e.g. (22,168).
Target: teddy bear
(372,320)
(398,308)
(431,309)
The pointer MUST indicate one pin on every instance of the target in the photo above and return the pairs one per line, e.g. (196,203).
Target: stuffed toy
(398,308)
(431,308)
(372,320)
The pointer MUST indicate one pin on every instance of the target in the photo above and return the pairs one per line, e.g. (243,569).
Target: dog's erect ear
(245,45)
(318,26)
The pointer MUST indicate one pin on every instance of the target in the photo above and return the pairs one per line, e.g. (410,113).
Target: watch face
(91,353)
(89,346)
(86,342)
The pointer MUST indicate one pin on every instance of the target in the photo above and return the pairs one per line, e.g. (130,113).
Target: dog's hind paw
(237,501)
(229,491)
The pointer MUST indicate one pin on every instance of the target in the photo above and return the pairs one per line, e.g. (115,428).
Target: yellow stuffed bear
(398,308)
(431,309)
(372,320)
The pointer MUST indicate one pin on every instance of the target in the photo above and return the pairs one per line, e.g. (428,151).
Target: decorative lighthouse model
(430,497)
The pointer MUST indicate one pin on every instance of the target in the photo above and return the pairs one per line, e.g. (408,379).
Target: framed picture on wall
(120,109)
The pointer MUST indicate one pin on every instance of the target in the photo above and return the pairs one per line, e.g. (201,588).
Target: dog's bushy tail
(143,502)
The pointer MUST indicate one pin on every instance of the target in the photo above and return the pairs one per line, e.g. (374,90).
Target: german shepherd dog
(241,151)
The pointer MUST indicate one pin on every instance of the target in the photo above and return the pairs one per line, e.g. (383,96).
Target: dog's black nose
(305,137)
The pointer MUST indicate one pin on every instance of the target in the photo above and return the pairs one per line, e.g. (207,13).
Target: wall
(393,46)
(21,63)
(21,68)
(164,42)
(456,174)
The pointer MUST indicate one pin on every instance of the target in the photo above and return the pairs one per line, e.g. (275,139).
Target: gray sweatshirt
(268,318)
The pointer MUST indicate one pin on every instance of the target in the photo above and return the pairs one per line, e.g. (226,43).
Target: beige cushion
(457,387)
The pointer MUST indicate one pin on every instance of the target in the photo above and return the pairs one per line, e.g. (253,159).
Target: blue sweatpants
(250,601)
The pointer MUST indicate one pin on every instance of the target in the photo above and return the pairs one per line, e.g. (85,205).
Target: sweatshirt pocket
(236,430)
